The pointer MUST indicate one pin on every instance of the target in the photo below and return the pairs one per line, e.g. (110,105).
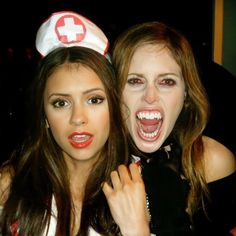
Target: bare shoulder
(219,161)
(6,174)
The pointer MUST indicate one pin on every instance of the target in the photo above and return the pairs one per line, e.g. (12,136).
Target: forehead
(73,74)
(153,56)
(151,50)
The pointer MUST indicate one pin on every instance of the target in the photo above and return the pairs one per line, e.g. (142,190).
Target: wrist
(144,231)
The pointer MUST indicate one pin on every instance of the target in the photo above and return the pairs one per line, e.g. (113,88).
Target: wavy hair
(195,113)
(39,170)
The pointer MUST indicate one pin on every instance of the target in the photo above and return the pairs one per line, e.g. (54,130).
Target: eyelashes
(63,103)
(140,82)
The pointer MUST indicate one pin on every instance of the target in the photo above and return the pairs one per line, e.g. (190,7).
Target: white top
(53,223)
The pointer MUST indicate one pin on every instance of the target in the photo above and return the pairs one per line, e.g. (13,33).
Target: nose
(78,115)
(150,94)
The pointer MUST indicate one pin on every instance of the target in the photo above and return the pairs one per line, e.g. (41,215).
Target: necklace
(137,160)
(148,209)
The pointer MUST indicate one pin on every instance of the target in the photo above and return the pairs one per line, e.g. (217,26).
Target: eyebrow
(136,74)
(160,75)
(170,73)
(167,73)
(85,92)
(93,89)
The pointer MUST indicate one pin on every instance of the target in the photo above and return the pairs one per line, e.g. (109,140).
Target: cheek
(56,124)
(174,106)
(128,109)
(130,102)
(129,96)
(104,123)
(178,104)
(179,101)
(174,100)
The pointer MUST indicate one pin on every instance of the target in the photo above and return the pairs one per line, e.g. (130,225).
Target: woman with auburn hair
(190,178)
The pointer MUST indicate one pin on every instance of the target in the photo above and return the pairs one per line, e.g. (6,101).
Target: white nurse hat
(66,29)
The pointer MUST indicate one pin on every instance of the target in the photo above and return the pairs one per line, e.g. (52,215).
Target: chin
(148,147)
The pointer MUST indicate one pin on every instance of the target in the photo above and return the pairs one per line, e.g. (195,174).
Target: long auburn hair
(39,170)
(195,113)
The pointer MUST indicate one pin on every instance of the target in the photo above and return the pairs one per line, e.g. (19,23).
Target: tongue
(149,125)
(149,122)
(149,128)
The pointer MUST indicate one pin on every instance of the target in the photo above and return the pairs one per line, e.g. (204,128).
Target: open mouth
(149,124)
(80,140)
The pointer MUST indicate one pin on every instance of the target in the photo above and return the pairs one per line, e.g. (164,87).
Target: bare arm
(127,201)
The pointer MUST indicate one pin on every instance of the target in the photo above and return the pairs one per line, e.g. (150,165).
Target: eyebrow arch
(169,73)
(136,74)
(93,89)
(160,75)
(85,92)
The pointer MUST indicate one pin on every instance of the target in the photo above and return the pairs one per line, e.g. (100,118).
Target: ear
(47,124)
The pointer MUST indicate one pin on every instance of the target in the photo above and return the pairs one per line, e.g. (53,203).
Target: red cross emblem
(70,29)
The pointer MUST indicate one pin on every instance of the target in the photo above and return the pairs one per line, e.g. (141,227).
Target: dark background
(18,57)
(193,17)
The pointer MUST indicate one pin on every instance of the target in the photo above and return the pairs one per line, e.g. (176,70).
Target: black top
(167,192)
(221,209)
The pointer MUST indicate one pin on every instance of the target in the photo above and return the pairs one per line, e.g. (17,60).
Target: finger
(107,189)
(135,172)
(115,180)
(124,174)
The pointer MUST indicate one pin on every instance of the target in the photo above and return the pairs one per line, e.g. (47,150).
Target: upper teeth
(149,115)
(79,138)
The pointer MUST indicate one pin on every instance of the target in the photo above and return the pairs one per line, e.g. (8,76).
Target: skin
(127,200)
(219,161)
(154,86)
(75,101)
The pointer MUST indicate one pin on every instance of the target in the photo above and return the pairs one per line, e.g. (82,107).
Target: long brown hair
(194,115)
(39,168)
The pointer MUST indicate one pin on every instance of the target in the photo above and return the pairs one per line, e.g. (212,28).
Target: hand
(127,201)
